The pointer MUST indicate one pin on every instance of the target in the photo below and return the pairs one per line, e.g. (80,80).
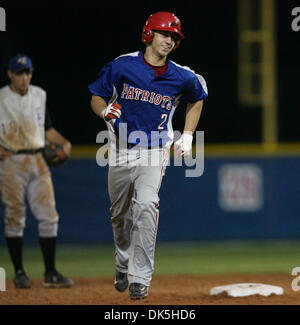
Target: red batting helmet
(162,21)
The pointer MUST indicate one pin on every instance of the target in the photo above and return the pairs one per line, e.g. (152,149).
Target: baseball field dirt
(165,290)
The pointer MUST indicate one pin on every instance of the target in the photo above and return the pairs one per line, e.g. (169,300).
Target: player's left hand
(183,146)
(54,155)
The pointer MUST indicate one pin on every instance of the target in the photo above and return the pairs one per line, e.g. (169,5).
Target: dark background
(68,44)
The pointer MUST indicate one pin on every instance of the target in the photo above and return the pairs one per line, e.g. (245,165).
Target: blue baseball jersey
(148,102)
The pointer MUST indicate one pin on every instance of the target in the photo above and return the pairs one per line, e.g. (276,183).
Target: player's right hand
(183,146)
(112,111)
(4,153)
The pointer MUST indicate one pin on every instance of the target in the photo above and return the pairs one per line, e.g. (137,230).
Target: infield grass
(177,258)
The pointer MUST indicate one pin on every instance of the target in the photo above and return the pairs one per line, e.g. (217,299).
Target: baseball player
(24,126)
(141,90)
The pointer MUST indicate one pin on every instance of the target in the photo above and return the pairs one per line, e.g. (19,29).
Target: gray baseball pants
(27,176)
(133,191)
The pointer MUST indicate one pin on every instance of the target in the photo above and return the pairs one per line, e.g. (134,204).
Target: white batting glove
(183,146)
(112,111)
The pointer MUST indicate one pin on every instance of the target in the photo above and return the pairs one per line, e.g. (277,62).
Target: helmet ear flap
(147,35)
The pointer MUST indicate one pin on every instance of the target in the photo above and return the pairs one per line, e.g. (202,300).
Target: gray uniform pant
(27,176)
(133,191)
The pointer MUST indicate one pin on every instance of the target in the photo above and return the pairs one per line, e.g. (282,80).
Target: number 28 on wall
(295,286)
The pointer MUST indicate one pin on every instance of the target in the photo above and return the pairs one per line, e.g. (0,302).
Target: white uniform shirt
(22,119)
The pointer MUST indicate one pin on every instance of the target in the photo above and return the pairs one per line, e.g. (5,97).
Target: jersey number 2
(164,118)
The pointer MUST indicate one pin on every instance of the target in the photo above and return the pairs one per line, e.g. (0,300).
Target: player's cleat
(138,291)
(57,280)
(121,281)
(21,280)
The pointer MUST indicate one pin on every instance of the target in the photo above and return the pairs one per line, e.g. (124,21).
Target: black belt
(29,151)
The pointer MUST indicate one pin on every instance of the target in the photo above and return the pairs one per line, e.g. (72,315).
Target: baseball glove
(54,154)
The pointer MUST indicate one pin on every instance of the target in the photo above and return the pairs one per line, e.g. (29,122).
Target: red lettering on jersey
(130,93)
(157,99)
(145,96)
(165,99)
(125,90)
(137,93)
(151,98)
(169,105)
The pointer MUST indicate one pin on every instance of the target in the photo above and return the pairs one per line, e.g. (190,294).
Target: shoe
(121,281)
(21,280)
(138,291)
(56,280)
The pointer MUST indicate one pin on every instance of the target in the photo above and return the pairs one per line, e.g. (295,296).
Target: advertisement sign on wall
(240,187)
